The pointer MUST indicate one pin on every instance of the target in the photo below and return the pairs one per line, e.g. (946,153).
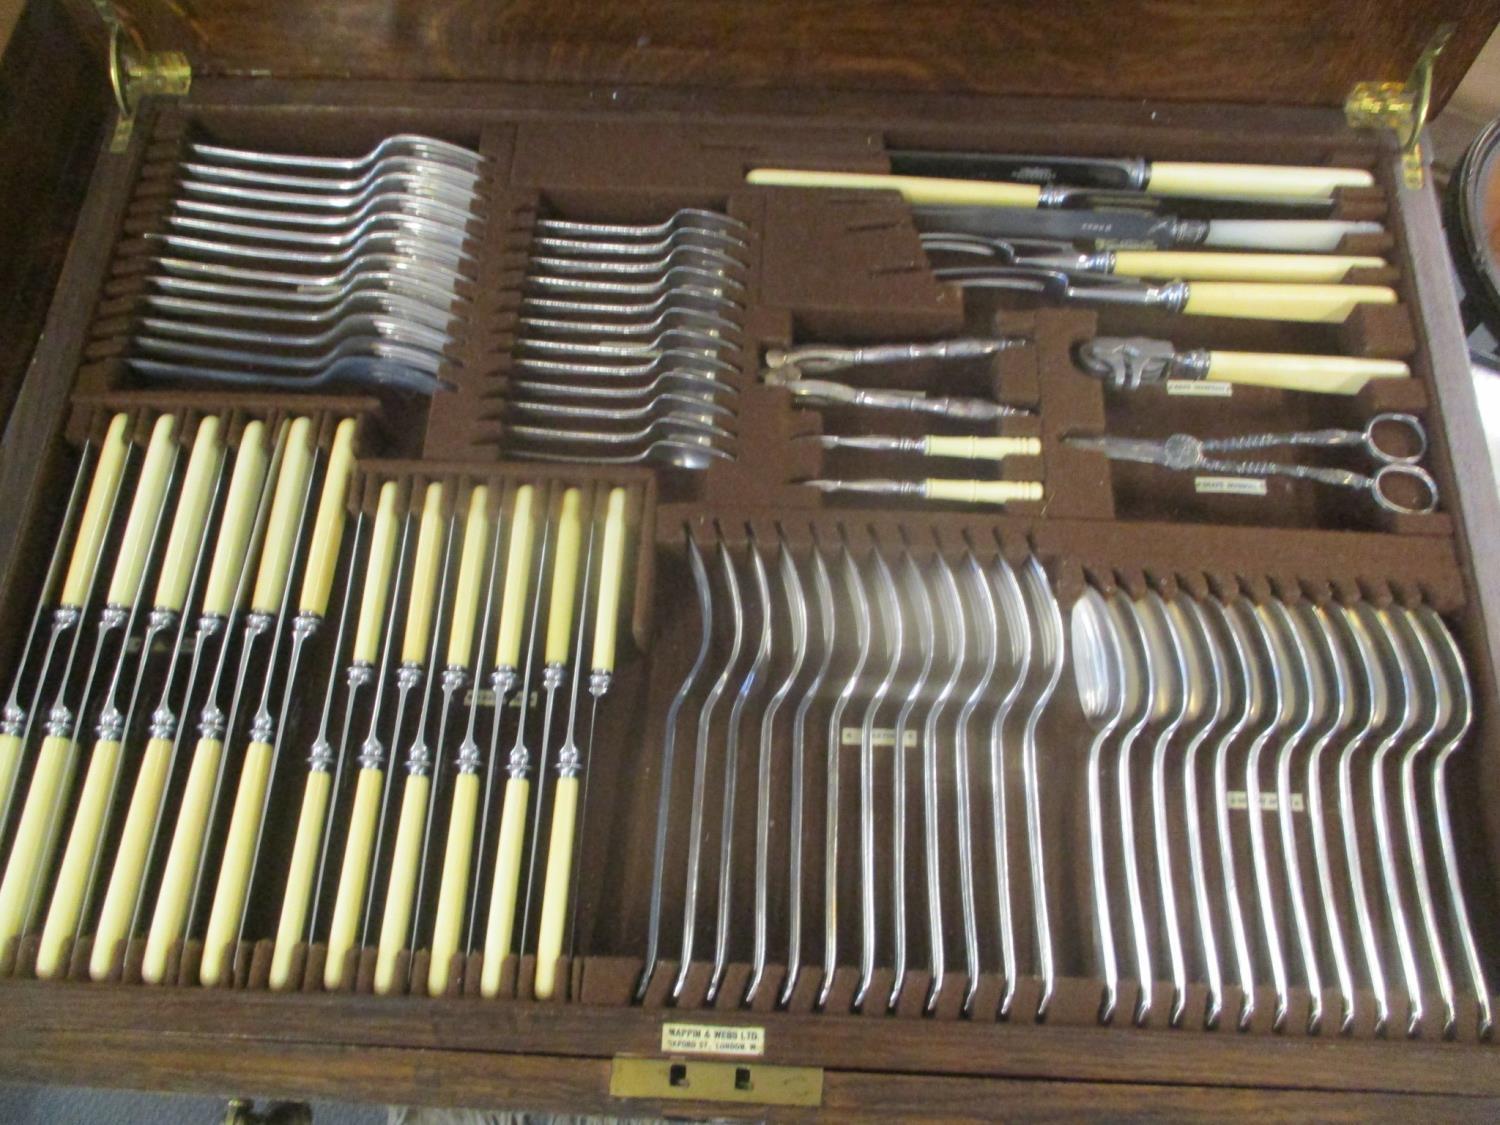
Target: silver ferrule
(112,617)
(1137,172)
(59,721)
(419,759)
(13,719)
(209,624)
(518,763)
(1054,195)
(1190,232)
(599,681)
(305,624)
(469,758)
(257,623)
(503,680)
(163,723)
(569,761)
(454,677)
(160,619)
(371,754)
(211,722)
(552,675)
(65,617)
(262,727)
(408,676)
(1171,297)
(1191,364)
(359,674)
(320,757)
(111,724)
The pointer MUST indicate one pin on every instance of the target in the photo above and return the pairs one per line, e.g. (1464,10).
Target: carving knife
(1266,182)
(1103,230)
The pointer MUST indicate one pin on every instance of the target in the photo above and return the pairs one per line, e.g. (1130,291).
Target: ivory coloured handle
(424,574)
(234,867)
(564,577)
(403,881)
(517,580)
(53,764)
(555,886)
(238,520)
(190,521)
(1252,181)
(88,543)
(376,593)
(286,514)
(170,916)
(145,511)
(457,856)
(982,491)
(498,931)
(354,874)
(1326,374)
(299,876)
(1209,266)
(78,858)
(981,448)
(470,574)
(1323,304)
(10,765)
(611,577)
(130,857)
(914,189)
(1308,235)
(328,527)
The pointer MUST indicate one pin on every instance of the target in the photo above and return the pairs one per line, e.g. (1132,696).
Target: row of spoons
(628,341)
(1244,714)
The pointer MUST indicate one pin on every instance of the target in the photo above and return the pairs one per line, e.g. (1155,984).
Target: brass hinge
(135,74)
(1400,106)
(702,1081)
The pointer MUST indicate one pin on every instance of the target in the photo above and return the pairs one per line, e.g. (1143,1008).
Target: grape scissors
(1186,453)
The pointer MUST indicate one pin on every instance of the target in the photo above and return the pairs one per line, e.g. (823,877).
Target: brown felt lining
(842,267)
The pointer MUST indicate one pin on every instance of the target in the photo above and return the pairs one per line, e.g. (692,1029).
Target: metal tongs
(819,359)
(1186,453)
(825,392)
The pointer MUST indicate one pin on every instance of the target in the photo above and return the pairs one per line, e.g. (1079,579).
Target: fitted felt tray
(822,266)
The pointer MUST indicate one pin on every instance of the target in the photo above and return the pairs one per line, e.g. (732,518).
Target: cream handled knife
(1128,362)
(566,801)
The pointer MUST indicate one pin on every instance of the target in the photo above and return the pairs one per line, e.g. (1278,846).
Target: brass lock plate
(704,1081)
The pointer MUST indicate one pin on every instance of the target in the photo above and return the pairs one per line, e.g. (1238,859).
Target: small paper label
(1230,486)
(1239,799)
(706,1039)
(1199,388)
(879,736)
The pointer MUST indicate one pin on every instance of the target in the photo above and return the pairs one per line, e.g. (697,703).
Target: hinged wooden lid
(1288,52)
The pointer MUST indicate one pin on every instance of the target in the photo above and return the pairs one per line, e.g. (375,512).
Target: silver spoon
(1439,714)
(1211,699)
(1372,671)
(1455,684)
(1139,692)
(1334,677)
(690,218)
(668,404)
(677,453)
(1169,710)
(668,359)
(1049,655)
(710,243)
(1010,602)
(717,282)
(1099,675)
(701,388)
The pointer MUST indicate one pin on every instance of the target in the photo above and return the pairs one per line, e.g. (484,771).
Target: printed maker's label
(1230,486)
(707,1039)
(1238,799)
(1199,388)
